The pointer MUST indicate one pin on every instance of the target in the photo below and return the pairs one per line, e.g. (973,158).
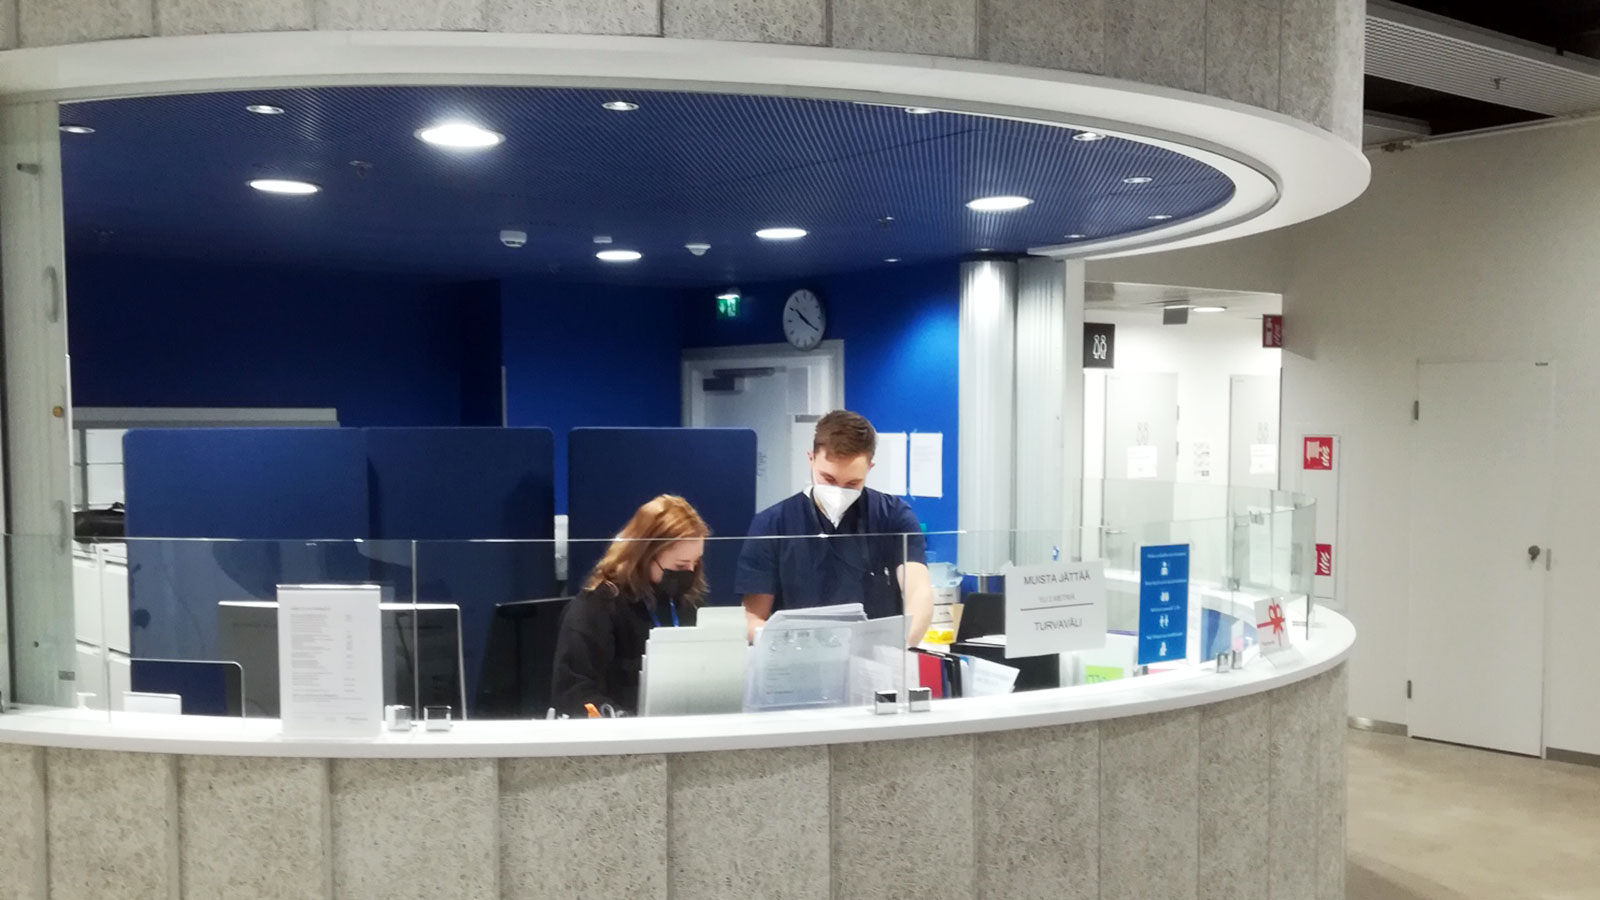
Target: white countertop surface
(1329,643)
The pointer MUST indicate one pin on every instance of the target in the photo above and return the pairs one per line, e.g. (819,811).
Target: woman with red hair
(650,577)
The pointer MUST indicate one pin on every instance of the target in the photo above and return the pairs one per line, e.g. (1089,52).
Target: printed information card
(1163,603)
(1055,608)
(330,661)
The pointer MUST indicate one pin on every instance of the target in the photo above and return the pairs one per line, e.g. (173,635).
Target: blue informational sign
(1163,603)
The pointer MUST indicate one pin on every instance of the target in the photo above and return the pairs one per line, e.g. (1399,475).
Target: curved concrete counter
(1185,785)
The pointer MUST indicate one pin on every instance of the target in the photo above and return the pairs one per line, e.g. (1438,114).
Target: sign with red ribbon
(1272,626)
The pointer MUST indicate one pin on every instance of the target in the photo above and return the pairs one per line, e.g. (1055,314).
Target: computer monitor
(208,687)
(982,615)
(519,659)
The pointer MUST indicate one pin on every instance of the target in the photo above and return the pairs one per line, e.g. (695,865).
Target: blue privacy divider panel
(611,472)
(443,487)
(277,489)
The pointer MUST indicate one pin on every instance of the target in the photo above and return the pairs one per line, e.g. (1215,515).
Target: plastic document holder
(824,657)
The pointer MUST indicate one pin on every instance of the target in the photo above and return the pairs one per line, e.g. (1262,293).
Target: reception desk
(1187,784)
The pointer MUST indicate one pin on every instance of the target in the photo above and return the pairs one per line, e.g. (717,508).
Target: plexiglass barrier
(477,630)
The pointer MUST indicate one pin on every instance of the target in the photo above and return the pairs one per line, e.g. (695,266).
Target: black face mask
(674,584)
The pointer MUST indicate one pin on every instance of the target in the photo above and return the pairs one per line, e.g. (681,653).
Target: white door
(1141,455)
(1480,554)
(774,391)
(1253,431)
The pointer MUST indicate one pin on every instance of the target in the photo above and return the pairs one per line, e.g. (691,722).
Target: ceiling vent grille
(1441,54)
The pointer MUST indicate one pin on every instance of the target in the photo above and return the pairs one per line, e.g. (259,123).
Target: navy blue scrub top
(818,572)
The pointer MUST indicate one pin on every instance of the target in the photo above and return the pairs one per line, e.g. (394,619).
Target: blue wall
(381,350)
(581,355)
(900,328)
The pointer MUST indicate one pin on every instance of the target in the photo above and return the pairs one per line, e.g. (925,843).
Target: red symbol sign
(1319,453)
(1325,559)
(1275,621)
(1272,331)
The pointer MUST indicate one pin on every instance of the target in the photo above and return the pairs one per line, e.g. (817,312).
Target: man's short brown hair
(844,434)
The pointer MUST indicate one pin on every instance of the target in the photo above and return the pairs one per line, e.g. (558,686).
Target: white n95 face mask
(834,500)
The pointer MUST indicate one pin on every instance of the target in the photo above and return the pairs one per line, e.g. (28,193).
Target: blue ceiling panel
(167,176)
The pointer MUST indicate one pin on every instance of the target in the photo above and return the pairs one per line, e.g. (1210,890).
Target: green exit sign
(727,307)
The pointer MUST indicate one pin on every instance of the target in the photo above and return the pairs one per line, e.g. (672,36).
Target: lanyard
(672,605)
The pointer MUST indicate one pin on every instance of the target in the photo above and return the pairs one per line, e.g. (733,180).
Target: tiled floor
(1436,822)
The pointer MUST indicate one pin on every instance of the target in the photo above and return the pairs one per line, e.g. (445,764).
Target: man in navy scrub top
(870,562)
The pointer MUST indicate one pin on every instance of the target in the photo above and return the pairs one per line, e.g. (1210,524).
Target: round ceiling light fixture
(1076,237)
(698,248)
(1208,309)
(1137,179)
(77,129)
(920,111)
(892,259)
(617,256)
(1160,217)
(1088,136)
(781,234)
(619,105)
(286,186)
(1002,203)
(264,109)
(460,136)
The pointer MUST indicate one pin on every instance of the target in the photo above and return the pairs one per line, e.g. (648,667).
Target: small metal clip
(436,718)
(886,703)
(397,718)
(921,699)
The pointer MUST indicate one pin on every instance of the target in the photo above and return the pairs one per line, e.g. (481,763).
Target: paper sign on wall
(1142,462)
(1263,459)
(330,662)
(1163,603)
(1055,607)
(927,464)
(888,472)
(1324,560)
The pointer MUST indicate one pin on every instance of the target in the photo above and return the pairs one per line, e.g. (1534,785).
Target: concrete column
(37,429)
(987,408)
(1049,404)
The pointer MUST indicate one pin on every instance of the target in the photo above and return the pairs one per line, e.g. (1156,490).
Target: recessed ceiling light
(619,255)
(781,234)
(619,106)
(1138,179)
(985,249)
(1208,309)
(698,248)
(264,109)
(998,204)
(729,294)
(892,259)
(1160,217)
(460,136)
(920,110)
(77,129)
(284,186)
(1088,136)
(1076,237)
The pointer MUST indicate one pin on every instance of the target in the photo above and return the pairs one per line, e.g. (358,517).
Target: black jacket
(600,651)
